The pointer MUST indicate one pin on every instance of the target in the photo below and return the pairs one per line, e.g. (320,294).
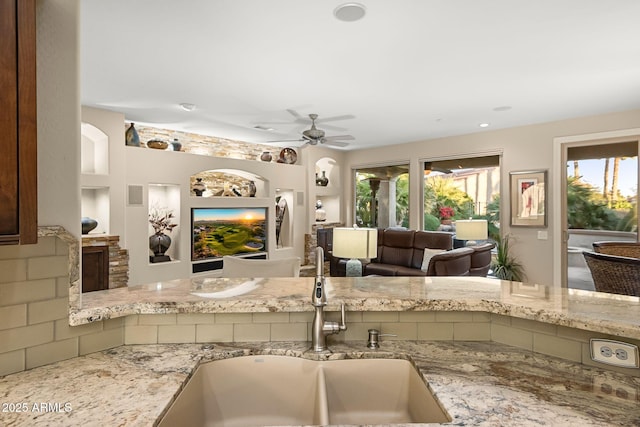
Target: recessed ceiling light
(484,125)
(187,107)
(349,12)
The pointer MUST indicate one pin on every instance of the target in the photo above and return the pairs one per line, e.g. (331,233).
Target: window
(382,196)
(461,189)
(602,187)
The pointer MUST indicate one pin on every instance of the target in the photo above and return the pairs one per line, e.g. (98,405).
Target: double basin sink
(291,391)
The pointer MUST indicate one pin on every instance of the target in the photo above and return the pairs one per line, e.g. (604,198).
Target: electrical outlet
(614,353)
(615,389)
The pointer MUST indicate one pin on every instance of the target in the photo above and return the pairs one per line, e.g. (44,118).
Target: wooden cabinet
(18,145)
(95,268)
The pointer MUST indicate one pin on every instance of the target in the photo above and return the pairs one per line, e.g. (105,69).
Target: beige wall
(522,148)
(34,279)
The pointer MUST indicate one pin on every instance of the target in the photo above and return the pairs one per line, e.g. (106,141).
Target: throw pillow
(426,258)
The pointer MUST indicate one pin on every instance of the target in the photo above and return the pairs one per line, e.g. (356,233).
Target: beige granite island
(590,311)
(454,329)
(479,384)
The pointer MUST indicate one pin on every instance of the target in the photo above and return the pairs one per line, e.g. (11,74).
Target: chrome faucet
(321,328)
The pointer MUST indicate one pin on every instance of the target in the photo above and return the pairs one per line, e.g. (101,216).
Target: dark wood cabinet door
(8,119)
(18,123)
(95,268)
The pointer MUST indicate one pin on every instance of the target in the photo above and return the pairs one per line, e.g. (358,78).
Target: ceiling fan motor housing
(313,133)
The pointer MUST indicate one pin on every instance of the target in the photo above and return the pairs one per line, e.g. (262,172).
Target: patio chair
(628,249)
(614,274)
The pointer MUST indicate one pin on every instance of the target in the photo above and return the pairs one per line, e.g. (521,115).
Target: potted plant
(505,266)
(161,219)
(446,213)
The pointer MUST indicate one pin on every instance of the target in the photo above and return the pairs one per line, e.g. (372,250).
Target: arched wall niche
(94,150)
(228,183)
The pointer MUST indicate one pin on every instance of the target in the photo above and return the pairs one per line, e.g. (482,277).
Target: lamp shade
(355,242)
(471,229)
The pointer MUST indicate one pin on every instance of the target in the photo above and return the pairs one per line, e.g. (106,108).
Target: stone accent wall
(222,184)
(311,241)
(207,145)
(118,258)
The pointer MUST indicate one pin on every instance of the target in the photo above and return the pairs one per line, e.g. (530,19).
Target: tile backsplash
(34,309)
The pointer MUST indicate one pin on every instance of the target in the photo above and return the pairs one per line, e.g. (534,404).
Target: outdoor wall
(523,148)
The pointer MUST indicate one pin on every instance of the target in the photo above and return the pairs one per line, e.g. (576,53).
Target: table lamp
(471,230)
(354,243)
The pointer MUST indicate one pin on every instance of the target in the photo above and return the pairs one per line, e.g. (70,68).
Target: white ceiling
(409,70)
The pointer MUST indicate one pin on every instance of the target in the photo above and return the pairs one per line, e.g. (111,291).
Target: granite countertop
(598,312)
(478,383)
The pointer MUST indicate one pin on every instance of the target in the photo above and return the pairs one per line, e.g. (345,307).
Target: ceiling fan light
(349,12)
(187,107)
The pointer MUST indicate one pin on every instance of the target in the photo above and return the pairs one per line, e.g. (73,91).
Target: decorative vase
(159,244)
(198,187)
(321,214)
(266,156)
(88,224)
(323,180)
(131,136)
(176,145)
(252,189)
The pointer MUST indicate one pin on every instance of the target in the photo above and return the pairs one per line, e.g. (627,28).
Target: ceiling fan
(314,136)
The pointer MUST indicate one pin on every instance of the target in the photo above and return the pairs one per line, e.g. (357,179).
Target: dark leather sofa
(401,253)
(481,259)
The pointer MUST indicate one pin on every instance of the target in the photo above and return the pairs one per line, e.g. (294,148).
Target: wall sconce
(354,243)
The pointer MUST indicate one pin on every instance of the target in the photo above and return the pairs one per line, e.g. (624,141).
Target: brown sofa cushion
(397,247)
(429,239)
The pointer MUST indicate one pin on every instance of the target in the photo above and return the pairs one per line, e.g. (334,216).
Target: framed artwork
(528,191)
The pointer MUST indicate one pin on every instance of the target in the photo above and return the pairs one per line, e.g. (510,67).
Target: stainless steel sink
(282,390)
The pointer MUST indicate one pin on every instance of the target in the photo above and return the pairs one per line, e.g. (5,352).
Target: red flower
(446,212)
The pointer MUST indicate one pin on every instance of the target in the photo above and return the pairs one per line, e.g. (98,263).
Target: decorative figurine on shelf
(321,214)
(198,187)
(161,219)
(281,210)
(176,145)
(322,181)
(252,189)
(266,156)
(131,136)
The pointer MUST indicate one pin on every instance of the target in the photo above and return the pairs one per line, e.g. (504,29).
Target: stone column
(387,204)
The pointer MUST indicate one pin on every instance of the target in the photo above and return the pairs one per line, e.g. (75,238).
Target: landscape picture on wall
(228,231)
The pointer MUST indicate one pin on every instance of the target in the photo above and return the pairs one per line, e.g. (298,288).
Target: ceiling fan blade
(334,143)
(340,137)
(284,140)
(335,118)
(298,117)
